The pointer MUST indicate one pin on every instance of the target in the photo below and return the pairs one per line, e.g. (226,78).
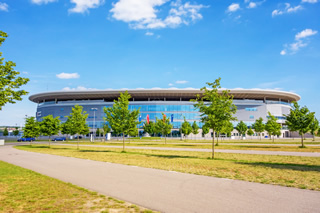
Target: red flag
(164,117)
(148,118)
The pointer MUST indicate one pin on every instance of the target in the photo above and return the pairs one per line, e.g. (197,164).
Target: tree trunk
(78,142)
(302,141)
(123,141)
(313,137)
(260,136)
(273,139)
(213,145)
(165,139)
(49,140)
(218,138)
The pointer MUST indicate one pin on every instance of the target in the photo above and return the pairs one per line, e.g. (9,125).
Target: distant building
(175,103)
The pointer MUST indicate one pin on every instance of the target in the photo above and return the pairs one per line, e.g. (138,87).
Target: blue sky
(103,44)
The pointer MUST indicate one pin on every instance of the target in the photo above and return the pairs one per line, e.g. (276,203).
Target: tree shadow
(296,167)
(88,150)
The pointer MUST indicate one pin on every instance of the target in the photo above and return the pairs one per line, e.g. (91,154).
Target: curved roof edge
(158,92)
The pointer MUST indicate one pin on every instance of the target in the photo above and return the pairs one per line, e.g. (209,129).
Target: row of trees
(14,132)
(49,126)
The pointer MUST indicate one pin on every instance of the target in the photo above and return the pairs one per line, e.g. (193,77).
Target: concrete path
(253,152)
(167,191)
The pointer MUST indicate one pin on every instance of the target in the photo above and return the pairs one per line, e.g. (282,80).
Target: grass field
(22,190)
(291,171)
(236,146)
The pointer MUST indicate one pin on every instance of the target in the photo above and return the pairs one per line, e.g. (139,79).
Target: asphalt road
(166,191)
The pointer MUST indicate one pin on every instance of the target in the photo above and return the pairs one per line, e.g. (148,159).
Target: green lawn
(262,147)
(22,190)
(291,171)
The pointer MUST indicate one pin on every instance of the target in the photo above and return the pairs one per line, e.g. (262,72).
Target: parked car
(78,137)
(59,139)
(26,139)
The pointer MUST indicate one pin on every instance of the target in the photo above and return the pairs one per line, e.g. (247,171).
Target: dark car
(26,139)
(59,139)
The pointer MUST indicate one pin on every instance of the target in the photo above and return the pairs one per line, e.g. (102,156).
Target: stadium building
(174,103)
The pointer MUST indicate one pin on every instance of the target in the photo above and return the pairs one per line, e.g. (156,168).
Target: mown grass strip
(291,171)
(260,147)
(22,190)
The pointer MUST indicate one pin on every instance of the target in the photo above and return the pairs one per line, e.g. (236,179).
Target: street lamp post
(94,121)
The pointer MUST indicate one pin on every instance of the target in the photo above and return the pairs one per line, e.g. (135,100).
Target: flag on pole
(148,119)
(171,118)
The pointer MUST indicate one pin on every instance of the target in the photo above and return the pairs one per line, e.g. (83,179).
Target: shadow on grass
(44,147)
(296,167)
(88,150)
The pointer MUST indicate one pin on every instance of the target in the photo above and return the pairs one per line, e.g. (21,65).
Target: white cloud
(149,34)
(78,88)
(233,7)
(287,9)
(25,73)
(252,5)
(83,6)
(181,82)
(143,14)
(67,75)
(170,84)
(283,52)
(305,33)
(4,7)
(309,1)
(301,41)
(42,1)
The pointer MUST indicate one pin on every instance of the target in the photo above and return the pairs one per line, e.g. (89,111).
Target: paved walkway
(166,191)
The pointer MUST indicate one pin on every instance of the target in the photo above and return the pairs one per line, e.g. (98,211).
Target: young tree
(119,117)
(16,132)
(5,132)
(259,126)
(205,130)
(186,128)
(9,79)
(314,126)
(106,129)
(228,128)
(272,127)
(163,127)
(85,130)
(49,126)
(195,128)
(149,128)
(78,121)
(215,107)
(98,132)
(67,128)
(299,119)
(250,132)
(241,128)
(31,128)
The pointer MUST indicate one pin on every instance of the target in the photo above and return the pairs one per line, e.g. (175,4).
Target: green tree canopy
(67,128)
(314,127)
(272,127)
(250,131)
(205,130)
(241,128)
(49,126)
(16,132)
(120,118)
(299,119)
(195,128)
(163,126)
(10,82)
(31,128)
(78,121)
(5,132)
(228,128)
(215,106)
(149,128)
(186,128)
(259,126)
